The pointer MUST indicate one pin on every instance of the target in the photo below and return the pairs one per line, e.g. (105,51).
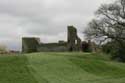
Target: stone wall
(53,47)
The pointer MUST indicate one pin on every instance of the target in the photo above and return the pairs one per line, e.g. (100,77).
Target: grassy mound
(60,68)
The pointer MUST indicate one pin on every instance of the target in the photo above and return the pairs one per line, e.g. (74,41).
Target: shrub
(116,50)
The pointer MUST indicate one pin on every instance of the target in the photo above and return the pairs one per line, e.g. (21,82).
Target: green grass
(60,68)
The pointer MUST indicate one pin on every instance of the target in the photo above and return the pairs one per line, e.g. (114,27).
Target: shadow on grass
(14,69)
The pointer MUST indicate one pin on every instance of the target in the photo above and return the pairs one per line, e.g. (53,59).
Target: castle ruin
(74,42)
(32,44)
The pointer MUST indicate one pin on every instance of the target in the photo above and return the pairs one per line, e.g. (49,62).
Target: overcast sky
(47,19)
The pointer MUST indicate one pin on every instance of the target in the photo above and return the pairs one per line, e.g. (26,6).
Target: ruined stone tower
(30,44)
(74,42)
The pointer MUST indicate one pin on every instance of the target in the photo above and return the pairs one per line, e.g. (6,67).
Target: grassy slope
(14,69)
(60,68)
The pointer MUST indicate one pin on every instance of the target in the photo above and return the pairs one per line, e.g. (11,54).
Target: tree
(109,25)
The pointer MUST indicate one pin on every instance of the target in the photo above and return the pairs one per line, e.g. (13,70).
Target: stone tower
(30,44)
(74,42)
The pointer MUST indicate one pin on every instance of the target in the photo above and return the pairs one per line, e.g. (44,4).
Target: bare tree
(109,23)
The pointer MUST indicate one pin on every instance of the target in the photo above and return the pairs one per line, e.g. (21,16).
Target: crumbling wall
(74,42)
(53,47)
(33,44)
(30,44)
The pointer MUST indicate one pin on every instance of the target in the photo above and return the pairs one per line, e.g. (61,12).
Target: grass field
(60,68)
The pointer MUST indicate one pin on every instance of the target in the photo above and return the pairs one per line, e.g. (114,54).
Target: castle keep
(32,44)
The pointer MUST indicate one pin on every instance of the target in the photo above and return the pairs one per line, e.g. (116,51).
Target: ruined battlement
(33,44)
